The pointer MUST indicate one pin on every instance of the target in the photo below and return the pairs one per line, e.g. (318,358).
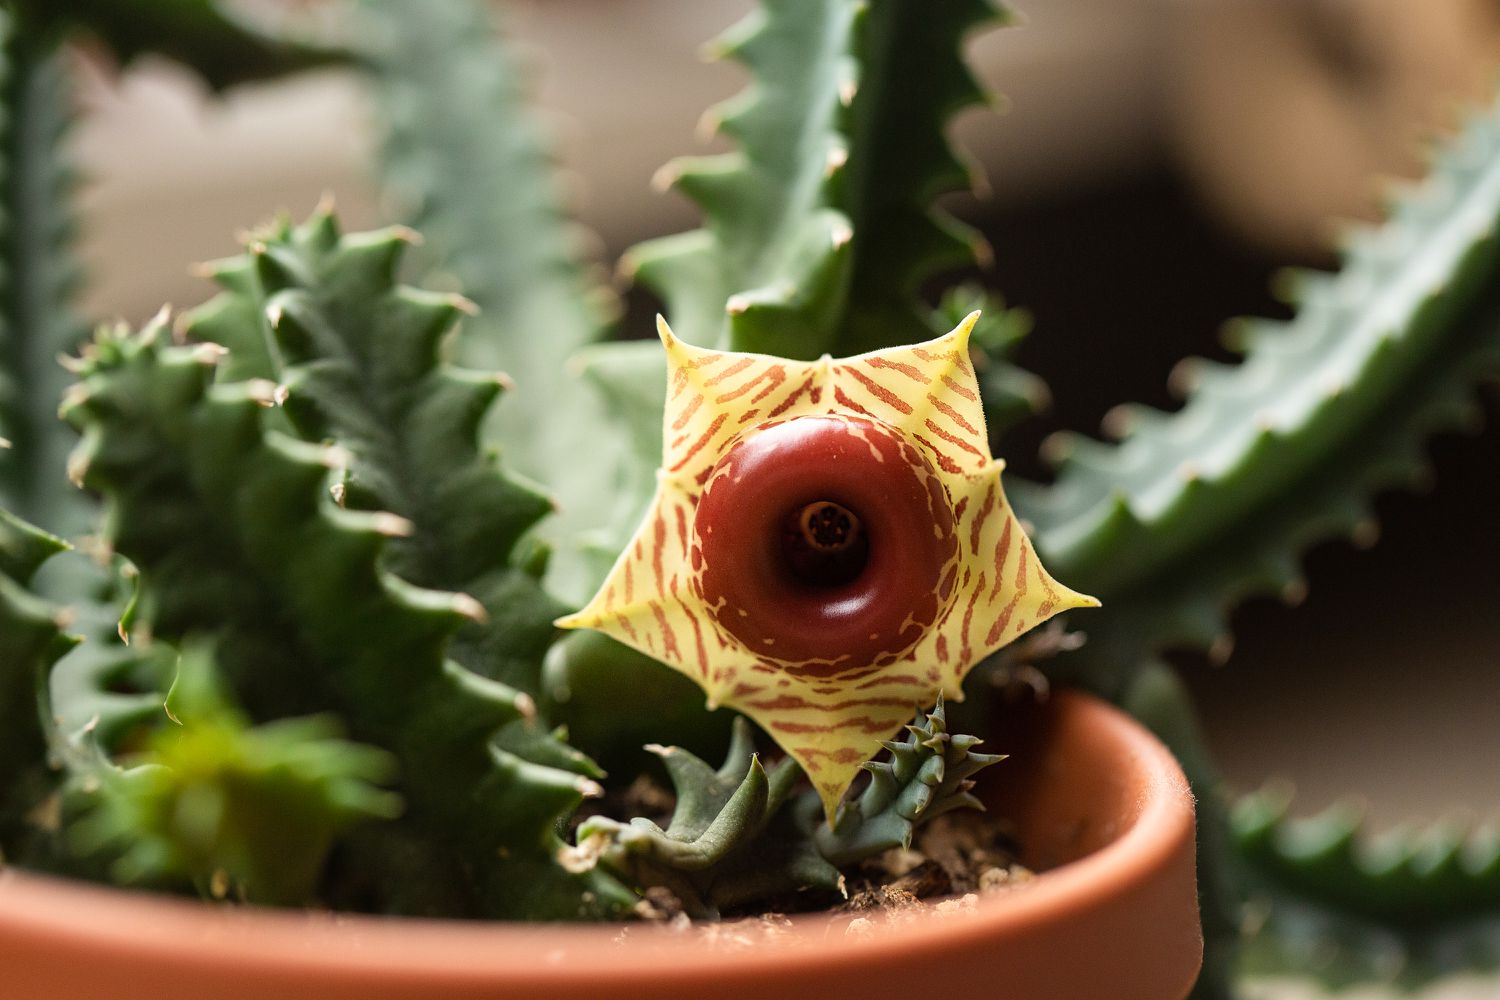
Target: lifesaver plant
(296,638)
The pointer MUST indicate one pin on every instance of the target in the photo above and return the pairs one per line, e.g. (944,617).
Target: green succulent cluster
(318,661)
(730,842)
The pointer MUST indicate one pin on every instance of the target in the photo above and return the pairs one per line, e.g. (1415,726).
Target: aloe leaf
(1199,509)
(237,539)
(38,276)
(204,34)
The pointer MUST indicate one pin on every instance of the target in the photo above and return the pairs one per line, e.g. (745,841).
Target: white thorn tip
(392,525)
(708,125)
(837,157)
(1118,422)
(261,391)
(1183,378)
(1366,533)
(470,608)
(407,235)
(335,457)
(77,469)
(665,177)
(208,354)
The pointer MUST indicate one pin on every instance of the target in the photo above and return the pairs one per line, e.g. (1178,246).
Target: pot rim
(102,922)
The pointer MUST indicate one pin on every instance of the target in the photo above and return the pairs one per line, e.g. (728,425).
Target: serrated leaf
(769,273)
(31,639)
(729,840)
(236,537)
(1197,510)
(238,810)
(929,773)
(359,361)
(38,276)
(912,81)
(202,34)
(819,228)
(464,161)
(1406,907)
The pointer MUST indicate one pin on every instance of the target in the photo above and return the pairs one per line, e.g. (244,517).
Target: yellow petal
(928,390)
(831,729)
(647,601)
(830,722)
(1003,588)
(712,396)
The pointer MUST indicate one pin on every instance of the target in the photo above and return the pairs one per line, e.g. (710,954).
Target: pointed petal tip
(957,337)
(1085,601)
(664,331)
(831,796)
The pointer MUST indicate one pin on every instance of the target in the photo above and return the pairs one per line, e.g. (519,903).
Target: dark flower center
(824,544)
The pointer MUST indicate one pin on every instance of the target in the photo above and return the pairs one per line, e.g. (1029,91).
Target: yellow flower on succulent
(829,545)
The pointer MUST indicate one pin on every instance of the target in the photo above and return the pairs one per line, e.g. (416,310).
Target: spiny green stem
(38,274)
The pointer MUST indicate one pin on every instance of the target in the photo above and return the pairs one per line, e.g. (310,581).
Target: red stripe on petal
(910,371)
(880,392)
(729,372)
(688,411)
(960,389)
(697,445)
(985,509)
(952,414)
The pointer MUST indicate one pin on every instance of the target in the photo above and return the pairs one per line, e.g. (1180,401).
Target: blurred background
(1156,163)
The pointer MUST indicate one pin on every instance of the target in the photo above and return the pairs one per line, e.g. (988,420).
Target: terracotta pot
(1093,793)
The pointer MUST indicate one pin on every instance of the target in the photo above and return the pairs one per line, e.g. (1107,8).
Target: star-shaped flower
(828,546)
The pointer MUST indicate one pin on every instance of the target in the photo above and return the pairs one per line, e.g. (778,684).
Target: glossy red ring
(867,466)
